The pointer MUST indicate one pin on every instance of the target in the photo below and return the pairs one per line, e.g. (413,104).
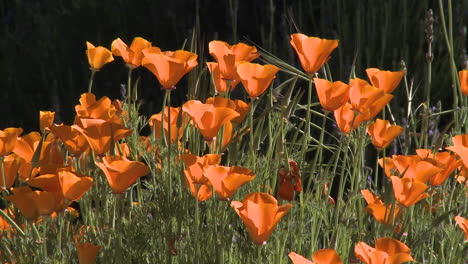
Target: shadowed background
(43,65)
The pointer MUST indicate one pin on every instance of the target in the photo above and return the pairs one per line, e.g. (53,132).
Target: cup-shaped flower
(331,95)
(169,66)
(228,57)
(99,133)
(463,224)
(387,251)
(221,85)
(97,56)
(313,52)
(11,165)
(384,214)
(362,95)
(73,140)
(239,106)
(208,118)
(289,181)
(321,256)
(8,138)
(155,123)
(408,191)
(382,133)
(33,204)
(87,252)
(463,75)
(460,146)
(72,185)
(226,180)
(260,213)
(131,55)
(346,118)
(103,108)
(256,78)
(46,118)
(443,160)
(199,185)
(386,80)
(121,173)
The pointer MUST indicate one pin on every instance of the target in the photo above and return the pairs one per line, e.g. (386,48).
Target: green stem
(318,153)
(91,79)
(307,123)
(11,222)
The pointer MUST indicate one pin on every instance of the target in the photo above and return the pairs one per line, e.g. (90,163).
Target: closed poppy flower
(72,138)
(8,138)
(256,78)
(208,118)
(387,251)
(322,256)
(72,185)
(382,133)
(313,52)
(463,75)
(331,95)
(239,106)
(87,252)
(226,180)
(169,66)
(155,123)
(229,57)
(199,185)
(362,95)
(11,165)
(46,118)
(99,132)
(97,56)
(220,83)
(131,55)
(121,173)
(463,224)
(386,80)
(260,213)
(347,119)
(408,191)
(460,147)
(33,204)
(384,214)
(442,160)
(289,181)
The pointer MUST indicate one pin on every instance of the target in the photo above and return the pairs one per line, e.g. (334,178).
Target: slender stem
(91,79)
(11,222)
(252,149)
(318,153)
(168,94)
(307,123)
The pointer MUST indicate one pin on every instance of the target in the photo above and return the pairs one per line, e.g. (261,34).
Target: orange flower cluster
(322,256)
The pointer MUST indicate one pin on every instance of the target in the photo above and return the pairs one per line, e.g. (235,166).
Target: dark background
(43,64)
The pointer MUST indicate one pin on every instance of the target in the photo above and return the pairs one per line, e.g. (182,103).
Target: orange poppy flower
(387,250)
(46,118)
(87,252)
(377,106)
(362,95)
(46,182)
(73,140)
(208,118)
(8,138)
(121,172)
(103,108)
(155,124)
(331,95)
(219,83)
(169,66)
(226,180)
(381,212)
(199,185)
(322,256)
(256,78)
(408,191)
(382,133)
(33,204)
(131,55)
(72,185)
(386,80)
(97,56)
(239,106)
(460,147)
(443,160)
(313,52)
(463,224)
(463,75)
(388,165)
(11,165)
(228,57)
(98,133)
(260,213)
(347,119)
(290,181)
